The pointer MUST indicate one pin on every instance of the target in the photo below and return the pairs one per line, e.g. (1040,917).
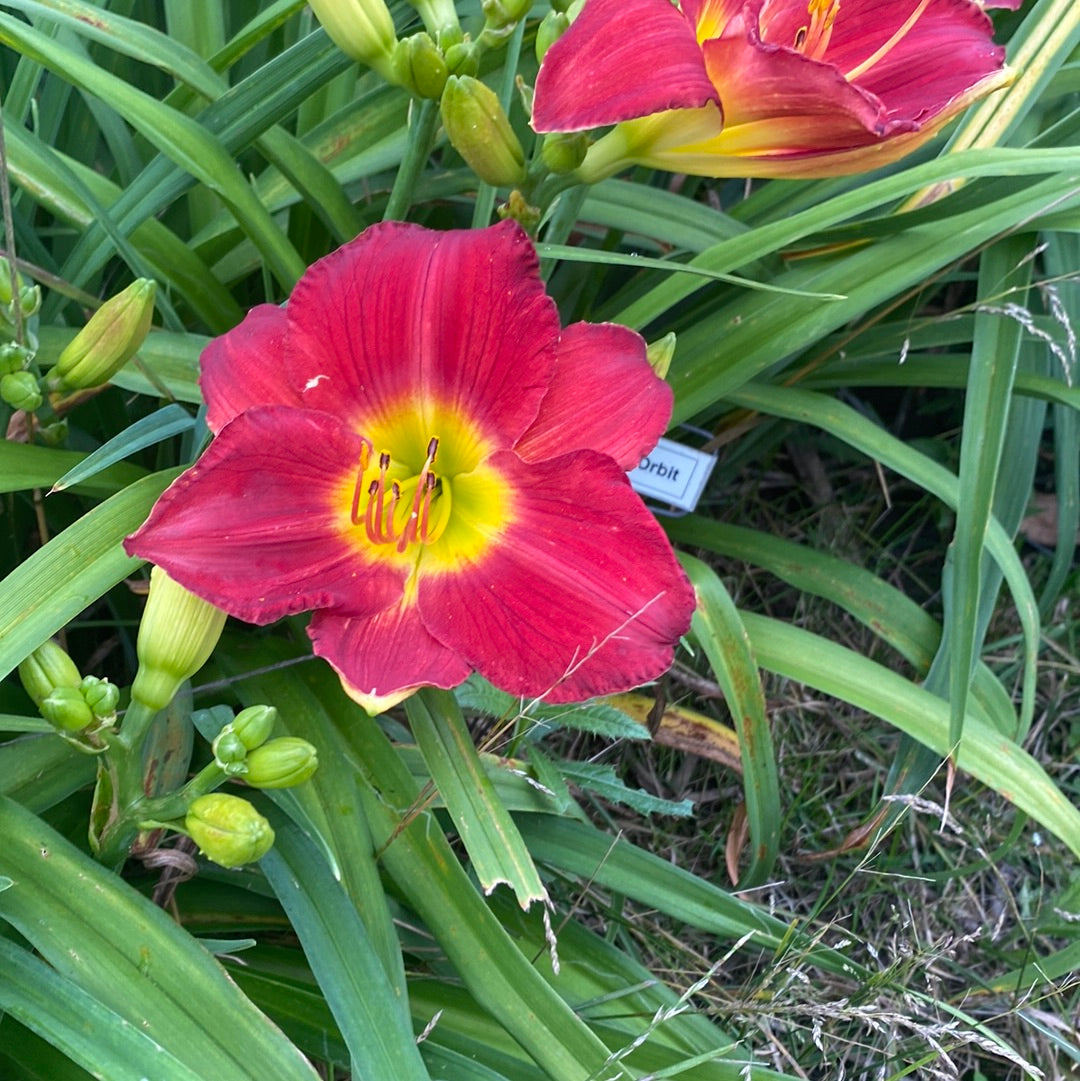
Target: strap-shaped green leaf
(128,955)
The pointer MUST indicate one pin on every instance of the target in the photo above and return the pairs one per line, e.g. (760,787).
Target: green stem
(421,140)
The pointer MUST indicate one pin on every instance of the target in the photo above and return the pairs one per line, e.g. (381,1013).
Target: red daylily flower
(767,88)
(414,448)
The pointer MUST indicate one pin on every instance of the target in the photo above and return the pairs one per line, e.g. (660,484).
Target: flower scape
(765,88)
(417,451)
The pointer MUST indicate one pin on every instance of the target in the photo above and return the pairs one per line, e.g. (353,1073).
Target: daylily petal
(259,526)
(599,73)
(245,368)
(581,594)
(383,658)
(711,18)
(935,61)
(765,83)
(366,322)
(604,364)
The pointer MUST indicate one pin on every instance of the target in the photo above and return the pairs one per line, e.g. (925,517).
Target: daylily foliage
(765,88)
(416,450)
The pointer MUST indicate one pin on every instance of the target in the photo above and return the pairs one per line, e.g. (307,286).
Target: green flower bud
(281,763)
(66,709)
(659,354)
(47,668)
(20,390)
(177,634)
(441,20)
(362,29)
(109,340)
(420,67)
(229,751)
(480,132)
(228,830)
(54,434)
(100,695)
(30,300)
(14,358)
(502,13)
(552,27)
(254,725)
(564,153)
(5,281)
(461,59)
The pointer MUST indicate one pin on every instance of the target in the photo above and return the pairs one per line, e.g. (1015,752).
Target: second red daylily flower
(788,88)
(417,451)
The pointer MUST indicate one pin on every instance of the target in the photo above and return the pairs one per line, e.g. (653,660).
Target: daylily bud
(480,132)
(420,67)
(54,434)
(177,634)
(461,59)
(441,19)
(109,340)
(659,354)
(65,708)
(500,13)
(47,668)
(281,763)
(100,695)
(5,281)
(229,751)
(228,830)
(254,725)
(20,390)
(552,27)
(14,358)
(30,300)
(362,29)
(564,153)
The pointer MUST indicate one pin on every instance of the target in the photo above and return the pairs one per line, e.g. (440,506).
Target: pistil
(880,54)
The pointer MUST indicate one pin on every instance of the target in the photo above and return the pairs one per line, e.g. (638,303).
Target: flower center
(813,39)
(404,511)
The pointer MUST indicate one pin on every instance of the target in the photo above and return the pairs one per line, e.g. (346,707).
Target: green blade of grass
(166,422)
(48,590)
(24,466)
(717,628)
(101,1041)
(995,353)
(182,140)
(486,829)
(153,974)
(989,757)
(848,425)
(350,972)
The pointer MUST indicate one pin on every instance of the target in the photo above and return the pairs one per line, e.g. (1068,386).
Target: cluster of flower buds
(439,63)
(243,748)
(227,828)
(69,701)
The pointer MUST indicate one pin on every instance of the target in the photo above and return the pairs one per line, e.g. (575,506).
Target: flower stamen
(813,40)
(880,54)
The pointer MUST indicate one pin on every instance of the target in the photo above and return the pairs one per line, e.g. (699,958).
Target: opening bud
(66,709)
(564,153)
(101,696)
(660,353)
(480,132)
(254,725)
(281,763)
(362,29)
(177,634)
(228,830)
(20,390)
(14,358)
(111,337)
(420,67)
(552,27)
(47,668)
